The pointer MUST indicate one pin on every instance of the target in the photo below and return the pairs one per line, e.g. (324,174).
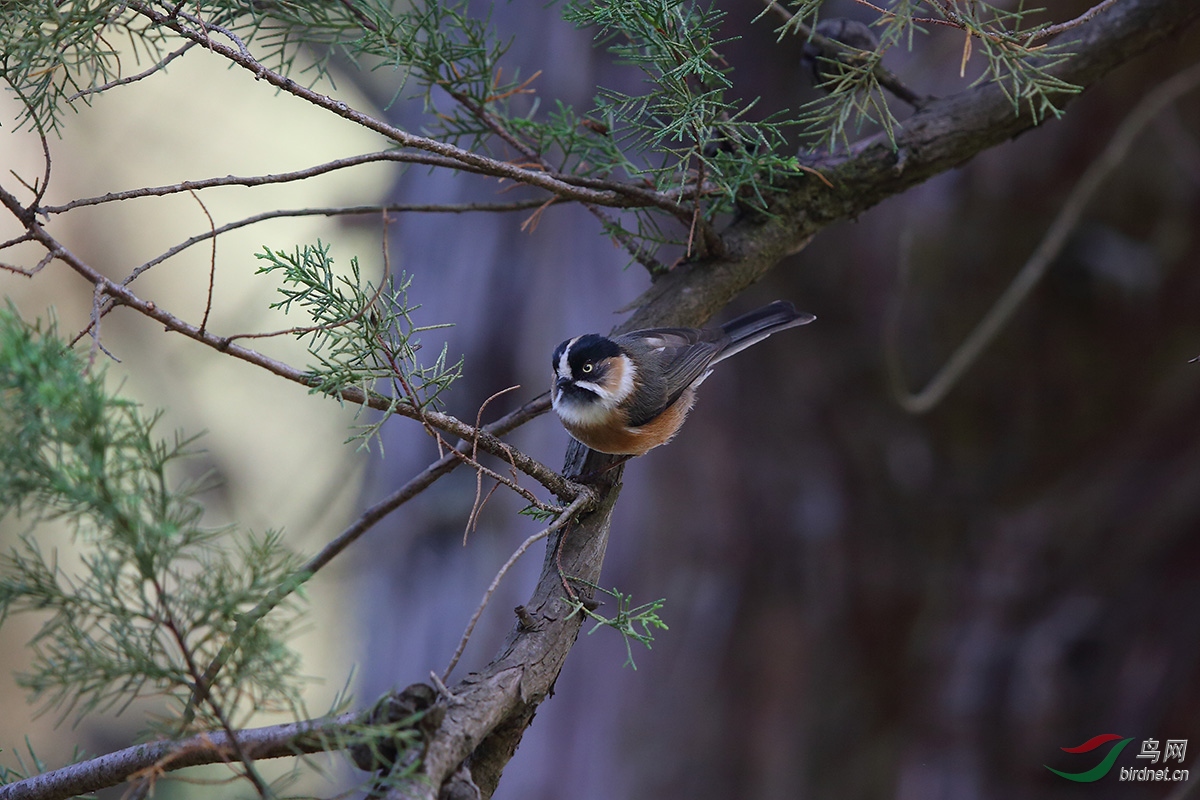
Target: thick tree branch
(943,135)
(491,709)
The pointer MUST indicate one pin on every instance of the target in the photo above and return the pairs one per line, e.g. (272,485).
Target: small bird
(631,393)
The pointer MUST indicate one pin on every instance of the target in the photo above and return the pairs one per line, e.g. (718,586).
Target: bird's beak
(562,383)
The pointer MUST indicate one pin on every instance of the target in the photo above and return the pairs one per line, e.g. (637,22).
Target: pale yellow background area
(277,450)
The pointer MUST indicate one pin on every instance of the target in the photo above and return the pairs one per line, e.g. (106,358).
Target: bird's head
(593,376)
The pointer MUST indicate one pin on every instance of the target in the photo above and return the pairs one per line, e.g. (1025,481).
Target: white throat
(580,413)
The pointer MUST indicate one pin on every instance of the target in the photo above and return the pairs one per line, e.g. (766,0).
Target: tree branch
(420,482)
(1056,237)
(416,208)
(339,211)
(274,741)
(255,180)
(834,50)
(944,134)
(492,709)
(1054,30)
(584,190)
(446,423)
(161,65)
(489,711)
(581,503)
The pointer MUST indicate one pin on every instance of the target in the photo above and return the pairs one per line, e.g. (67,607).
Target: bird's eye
(587,367)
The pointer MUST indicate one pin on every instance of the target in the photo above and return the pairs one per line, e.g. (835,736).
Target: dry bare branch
(972,347)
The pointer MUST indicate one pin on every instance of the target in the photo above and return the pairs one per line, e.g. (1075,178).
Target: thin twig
(714,246)
(132,78)
(301,330)
(600,192)
(444,448)
(233,37)
(695,207)
(521,88)
(923,20)
(34,270)
(442,689)
(212,263)
(831,48)
(16,240)
(421,481)
(371,516)
(423,208)
(13,268)
(954,19)
(528,496)
(38,191)
(968,352)
(636,252)
(421,413)
(41,191)
(252,180)
(32,187)
(590,191)
(423,416)
(122,295)
(530,223)
(203,689)
(1054,30)
(497,127)
(97,300)
(579,504)
(477,506)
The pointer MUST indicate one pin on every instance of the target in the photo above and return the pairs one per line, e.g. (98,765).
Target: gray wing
(672,359)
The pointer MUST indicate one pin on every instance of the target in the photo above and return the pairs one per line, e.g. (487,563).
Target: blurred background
(862,603)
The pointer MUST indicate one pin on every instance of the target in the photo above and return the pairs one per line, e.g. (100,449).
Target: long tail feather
(754,326)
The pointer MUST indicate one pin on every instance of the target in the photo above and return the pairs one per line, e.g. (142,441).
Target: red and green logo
(1100,770)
